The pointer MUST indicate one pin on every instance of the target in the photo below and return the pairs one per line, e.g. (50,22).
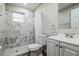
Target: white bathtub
(16,51)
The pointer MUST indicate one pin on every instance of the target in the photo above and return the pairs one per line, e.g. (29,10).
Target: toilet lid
(33,47)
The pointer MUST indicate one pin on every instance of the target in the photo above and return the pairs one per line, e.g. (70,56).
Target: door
(52,49)
(67,50)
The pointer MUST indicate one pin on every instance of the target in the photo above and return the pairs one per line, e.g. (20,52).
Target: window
(17,17)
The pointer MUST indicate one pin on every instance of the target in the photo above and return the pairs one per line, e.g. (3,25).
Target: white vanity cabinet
(52,48)
(60,48)
(68,50)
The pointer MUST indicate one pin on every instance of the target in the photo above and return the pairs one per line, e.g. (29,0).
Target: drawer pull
(56,45)
(0,15)
(60,46)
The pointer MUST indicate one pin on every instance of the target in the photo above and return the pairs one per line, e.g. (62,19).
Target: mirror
(75,18)
(68,17)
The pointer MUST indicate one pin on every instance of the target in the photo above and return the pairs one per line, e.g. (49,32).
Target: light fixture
(25,3)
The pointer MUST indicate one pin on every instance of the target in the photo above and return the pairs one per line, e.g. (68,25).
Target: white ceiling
(30,6)
(64,5)
(33,6)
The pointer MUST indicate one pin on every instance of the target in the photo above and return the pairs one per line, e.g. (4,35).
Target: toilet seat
(34,47)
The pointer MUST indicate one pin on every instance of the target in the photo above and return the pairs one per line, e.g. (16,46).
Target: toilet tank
(42,40)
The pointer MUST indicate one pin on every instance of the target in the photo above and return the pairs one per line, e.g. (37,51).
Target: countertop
(62,38)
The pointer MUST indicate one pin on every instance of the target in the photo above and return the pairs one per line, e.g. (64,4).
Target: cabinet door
(66,50)
(52,49)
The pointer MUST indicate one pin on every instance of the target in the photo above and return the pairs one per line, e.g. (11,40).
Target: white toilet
(36,48)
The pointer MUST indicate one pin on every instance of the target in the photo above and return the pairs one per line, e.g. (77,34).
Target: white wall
(49,17)
(63,19)
(37,24)
(45,17)
(64,16)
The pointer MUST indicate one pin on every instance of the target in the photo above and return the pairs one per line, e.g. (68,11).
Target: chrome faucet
(69,35)
(66,35)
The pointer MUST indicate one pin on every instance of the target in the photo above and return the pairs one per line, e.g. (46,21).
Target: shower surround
(19,33)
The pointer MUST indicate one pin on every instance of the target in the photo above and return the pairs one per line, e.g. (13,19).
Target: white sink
(62,38)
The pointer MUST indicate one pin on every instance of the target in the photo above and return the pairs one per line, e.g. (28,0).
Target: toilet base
(37,52)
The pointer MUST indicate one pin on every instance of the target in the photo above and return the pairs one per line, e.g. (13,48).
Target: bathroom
(39,29)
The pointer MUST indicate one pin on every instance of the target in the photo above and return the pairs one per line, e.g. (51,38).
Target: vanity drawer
(52,41)
(73,47)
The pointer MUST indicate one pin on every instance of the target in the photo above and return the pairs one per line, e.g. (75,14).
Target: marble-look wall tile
(19,33)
